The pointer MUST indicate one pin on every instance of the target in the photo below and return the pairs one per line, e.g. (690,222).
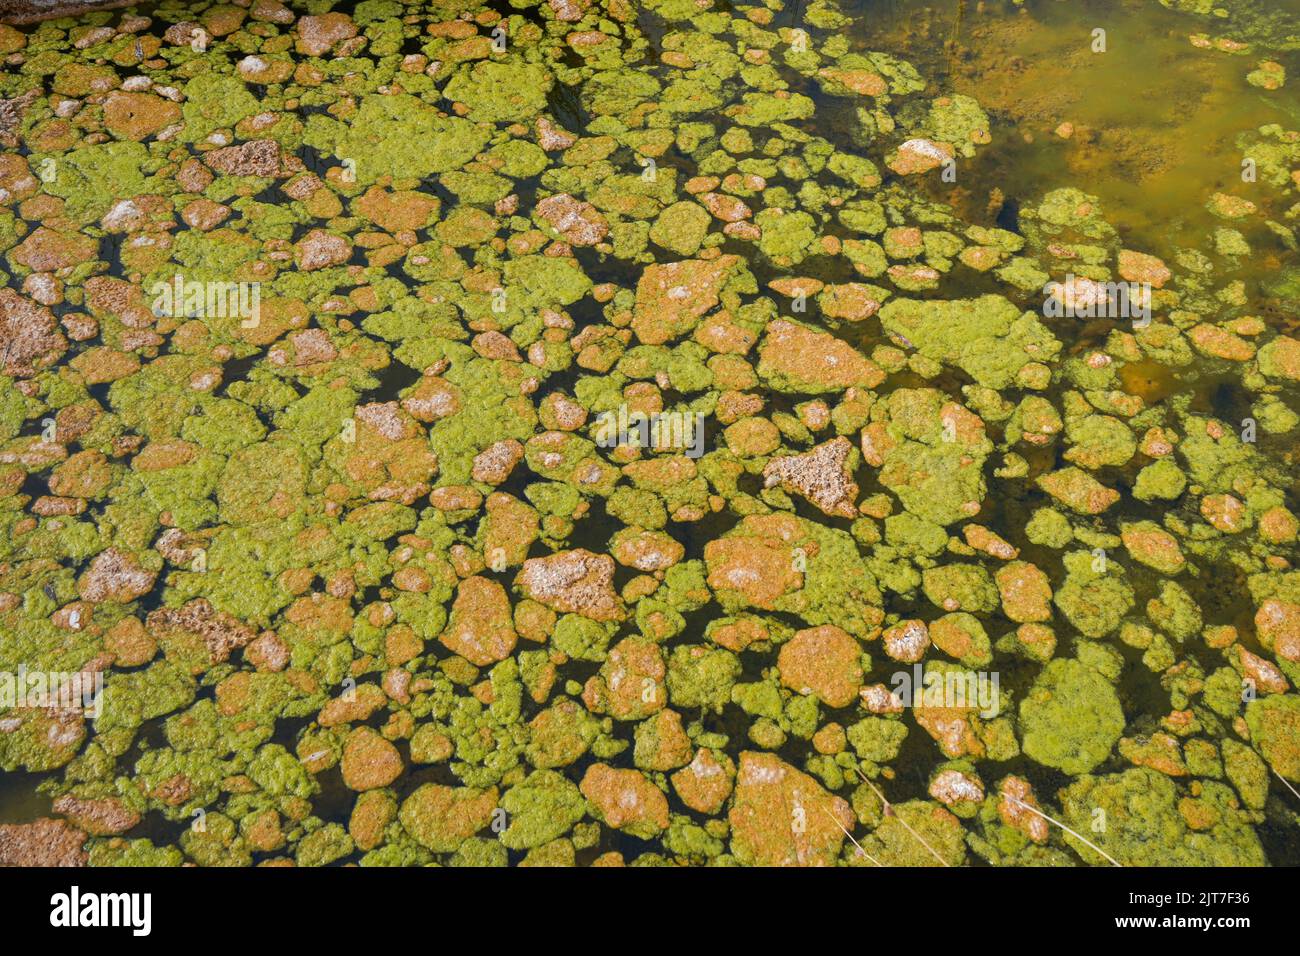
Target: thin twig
(890,807)
(1072,833)
(956,27)
(850,836)
(1284,781)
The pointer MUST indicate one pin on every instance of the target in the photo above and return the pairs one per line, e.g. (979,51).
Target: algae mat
(677,432)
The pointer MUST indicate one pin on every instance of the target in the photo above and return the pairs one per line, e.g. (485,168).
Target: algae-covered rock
(1095,596)
(1153,546)
(793,357)
(1146,824)
(988,337)
(672,298)
(681,228)
(781,817)
(625,800)
(789,564)
(442,818)
(1274,723)
(501,92)
(1070,718)
(917,833)
(541,808)
(398,136)
(822,661)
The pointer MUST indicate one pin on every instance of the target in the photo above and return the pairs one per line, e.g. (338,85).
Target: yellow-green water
(1155,117)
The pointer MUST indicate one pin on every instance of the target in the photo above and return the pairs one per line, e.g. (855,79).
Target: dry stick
(850,836)
(889,806)
(1065,828)
(1284,781)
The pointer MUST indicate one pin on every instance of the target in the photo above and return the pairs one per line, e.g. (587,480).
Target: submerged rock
(781,817)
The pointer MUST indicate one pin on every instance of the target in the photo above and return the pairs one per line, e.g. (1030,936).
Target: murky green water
(1156,120)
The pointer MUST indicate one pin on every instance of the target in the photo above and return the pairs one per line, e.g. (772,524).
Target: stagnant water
(1156,119)
(1147,110)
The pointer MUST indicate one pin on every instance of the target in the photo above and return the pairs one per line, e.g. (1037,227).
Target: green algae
(988,338)
(1070,718)
(390,136)
(93,177)
(421,411)
(501,92)
(1145,826)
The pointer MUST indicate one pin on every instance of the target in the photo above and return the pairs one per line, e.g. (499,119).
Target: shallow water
(1155,127)
(1155,118)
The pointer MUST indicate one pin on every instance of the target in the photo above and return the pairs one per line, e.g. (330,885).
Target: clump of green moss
(1070,718)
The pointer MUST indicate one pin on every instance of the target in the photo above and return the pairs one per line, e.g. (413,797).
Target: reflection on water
(19,800)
